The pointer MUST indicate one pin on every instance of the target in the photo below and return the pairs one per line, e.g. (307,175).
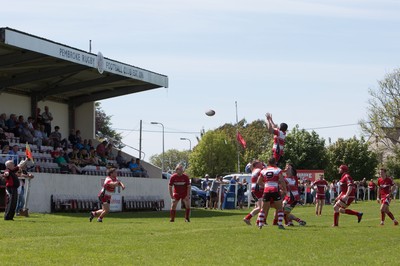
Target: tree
(103,126)
(355,154)
(214,155)
(171,159)
(256,136)
(384,111)
(305,150)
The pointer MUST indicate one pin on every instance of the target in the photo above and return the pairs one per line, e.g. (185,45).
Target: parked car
(202,196)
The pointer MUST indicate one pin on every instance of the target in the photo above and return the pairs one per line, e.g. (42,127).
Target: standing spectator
(385,190)
(372,190)
(38,118)
(204,185)
(274,184)
(346,196)
(12,174)
(279,137)
(320,187)
(208,198)
(179,189)
(21,196)
(109,186)
(47,117)
(240,193)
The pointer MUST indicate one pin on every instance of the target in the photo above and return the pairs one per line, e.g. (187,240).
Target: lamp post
(190,143)
(162,160)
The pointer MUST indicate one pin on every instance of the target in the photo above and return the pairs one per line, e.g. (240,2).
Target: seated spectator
(78,137)
(94,159)
(11,124)
(101,151)
(84,158)
(3,120)
(3,138)
(56,138)
(26,134)
(136,168)
(13,154)
(64,165)
(72,138)
(30,123)
(73,156)
(20,125)
(109,152)
(4,156)
(121,161)
(45,139)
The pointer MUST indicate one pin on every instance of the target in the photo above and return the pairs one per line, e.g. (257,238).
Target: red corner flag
(241,140)
(28,152)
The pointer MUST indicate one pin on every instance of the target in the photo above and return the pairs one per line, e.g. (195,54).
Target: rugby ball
(210,112)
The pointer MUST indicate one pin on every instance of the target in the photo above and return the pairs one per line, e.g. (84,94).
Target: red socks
(350,212)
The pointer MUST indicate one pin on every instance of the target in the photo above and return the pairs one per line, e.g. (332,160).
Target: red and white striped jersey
(271,179)
(292,183)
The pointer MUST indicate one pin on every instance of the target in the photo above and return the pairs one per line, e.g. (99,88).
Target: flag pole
(237,143)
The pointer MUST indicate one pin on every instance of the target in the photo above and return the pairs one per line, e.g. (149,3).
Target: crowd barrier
(70,203)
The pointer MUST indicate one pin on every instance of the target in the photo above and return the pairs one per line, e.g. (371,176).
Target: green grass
(212,238)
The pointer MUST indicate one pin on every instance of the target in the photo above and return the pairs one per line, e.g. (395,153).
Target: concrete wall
(85,120)
(44,185)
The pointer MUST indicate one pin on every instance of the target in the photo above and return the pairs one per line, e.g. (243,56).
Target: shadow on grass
(195,213)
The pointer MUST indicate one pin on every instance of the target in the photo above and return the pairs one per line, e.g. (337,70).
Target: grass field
(212,238)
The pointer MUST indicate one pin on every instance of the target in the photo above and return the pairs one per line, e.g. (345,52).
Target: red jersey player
(274,184)
(109,186)
(179,189)
(346,196)
(385,189)
(292,196)
(321,186)
(256,190)
(279,136)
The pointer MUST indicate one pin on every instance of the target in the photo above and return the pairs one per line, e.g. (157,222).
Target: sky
(308,62)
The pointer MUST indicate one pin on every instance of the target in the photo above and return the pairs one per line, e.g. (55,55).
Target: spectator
(26,133)
(101,151)
(3,138)
(64,165)
(20,125)
(13,154)
(109,152)
(372,190)
(45,138)
(72,138)
(3,122)
(4,157)
(84,157)
(47,117)
(11,124)
(94,159)
(240,193)
(38,118)
(73,156)
(204,185)
(56,138)
(136,168)
(30,123)
(121,160)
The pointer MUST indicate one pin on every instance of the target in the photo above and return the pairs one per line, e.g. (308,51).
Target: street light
(190,143)
(162,160)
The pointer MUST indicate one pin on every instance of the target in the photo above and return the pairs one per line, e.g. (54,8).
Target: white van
(241,177)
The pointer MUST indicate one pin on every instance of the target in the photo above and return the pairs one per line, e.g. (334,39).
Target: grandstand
(36,72)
